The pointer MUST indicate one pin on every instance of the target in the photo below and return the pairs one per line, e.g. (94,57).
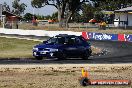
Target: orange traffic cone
(84,80)
(84,73)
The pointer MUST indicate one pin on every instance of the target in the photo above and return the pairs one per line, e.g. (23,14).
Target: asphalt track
(113,53)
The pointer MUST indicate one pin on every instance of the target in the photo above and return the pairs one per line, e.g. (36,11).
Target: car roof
(65,35)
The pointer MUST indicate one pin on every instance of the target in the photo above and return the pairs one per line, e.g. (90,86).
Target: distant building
(123,17)
(11,20)
(8,19)
(108,16)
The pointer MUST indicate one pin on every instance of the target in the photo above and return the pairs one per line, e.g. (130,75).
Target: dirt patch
(59,76)
(96,50)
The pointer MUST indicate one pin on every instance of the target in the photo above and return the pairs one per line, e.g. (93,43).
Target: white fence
(37,32)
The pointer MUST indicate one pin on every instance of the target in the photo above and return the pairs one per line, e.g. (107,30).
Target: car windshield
(56,40)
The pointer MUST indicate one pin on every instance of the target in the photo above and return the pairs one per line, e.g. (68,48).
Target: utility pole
(0,13)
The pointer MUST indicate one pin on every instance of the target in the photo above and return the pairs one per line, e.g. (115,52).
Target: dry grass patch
(63,77)
(96,50)
(73,27)
(54,27)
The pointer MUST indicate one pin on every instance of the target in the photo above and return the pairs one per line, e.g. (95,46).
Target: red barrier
(85,35)
(121,37)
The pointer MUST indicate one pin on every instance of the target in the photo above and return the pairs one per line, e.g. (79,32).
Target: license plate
(42,52)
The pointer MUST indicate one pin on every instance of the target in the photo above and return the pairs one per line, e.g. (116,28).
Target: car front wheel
(61,56)
(39,58)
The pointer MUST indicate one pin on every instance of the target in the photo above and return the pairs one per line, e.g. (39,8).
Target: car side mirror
(89,43)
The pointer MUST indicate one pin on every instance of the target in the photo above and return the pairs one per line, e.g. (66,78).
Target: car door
(79,47)
(70,47)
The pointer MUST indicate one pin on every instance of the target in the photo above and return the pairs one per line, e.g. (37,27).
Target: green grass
(16,48)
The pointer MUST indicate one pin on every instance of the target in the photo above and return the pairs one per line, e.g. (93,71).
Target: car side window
(52,40)
(61,40)
(71,41)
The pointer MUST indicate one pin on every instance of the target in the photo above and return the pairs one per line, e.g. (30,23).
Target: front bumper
(45,54)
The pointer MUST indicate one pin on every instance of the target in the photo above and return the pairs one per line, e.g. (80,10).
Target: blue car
(63,46)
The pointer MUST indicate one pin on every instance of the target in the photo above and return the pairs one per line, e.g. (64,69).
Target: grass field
(16,48)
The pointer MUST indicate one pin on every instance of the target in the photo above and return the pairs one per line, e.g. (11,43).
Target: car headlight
(36,49)
(53,50)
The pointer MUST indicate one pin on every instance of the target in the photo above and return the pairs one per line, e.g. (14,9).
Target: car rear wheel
(87,54)
(39,58)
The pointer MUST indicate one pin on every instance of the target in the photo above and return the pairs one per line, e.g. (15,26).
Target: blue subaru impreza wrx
(63,46)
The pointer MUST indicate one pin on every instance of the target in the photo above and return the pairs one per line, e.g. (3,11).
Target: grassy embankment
(16,48)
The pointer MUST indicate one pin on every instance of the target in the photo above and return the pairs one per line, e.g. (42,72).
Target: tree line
(72,10)
(18,8)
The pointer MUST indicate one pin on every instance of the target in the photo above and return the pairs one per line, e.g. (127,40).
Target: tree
(18,8)
(87,12)
(77,17)
(28,16)
(48,17)
(6,7)
(66,8)
(39,17)
(98,15)
(54,15)
(111,4)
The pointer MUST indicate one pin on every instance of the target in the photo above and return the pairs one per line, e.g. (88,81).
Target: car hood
(48,46)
